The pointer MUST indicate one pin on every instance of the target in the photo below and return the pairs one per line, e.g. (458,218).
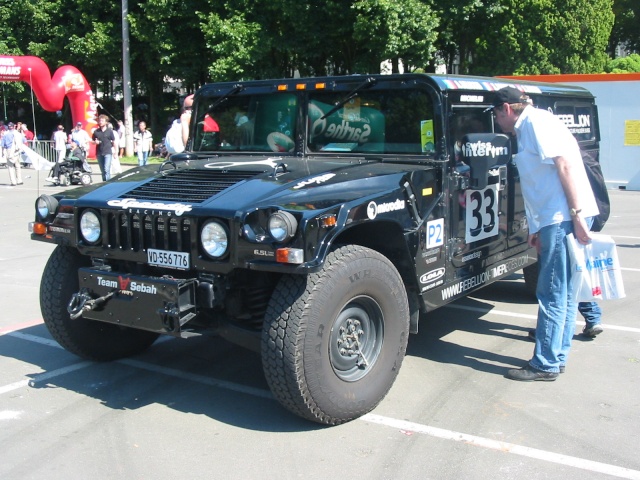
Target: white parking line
(532,317)
(504,447)
(473,440)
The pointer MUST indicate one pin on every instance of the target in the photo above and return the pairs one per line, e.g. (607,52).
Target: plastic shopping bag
(595,269)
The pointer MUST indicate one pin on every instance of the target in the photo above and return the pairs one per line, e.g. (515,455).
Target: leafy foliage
(198,41)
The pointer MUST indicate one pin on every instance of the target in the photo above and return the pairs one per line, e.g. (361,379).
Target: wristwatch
(574,212)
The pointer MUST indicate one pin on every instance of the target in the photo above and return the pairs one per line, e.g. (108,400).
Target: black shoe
(592,332)
(529,374)
(532,334)
(561,368)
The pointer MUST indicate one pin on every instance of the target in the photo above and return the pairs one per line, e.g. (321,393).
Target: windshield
(373,121)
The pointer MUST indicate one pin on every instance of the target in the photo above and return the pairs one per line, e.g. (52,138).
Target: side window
(467,120)
(384,121)
(578,117)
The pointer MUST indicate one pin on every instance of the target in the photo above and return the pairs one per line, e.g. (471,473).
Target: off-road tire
(531,279)
(88,339)
(302,336)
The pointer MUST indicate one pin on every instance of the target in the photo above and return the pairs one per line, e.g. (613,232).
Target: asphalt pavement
(201,409)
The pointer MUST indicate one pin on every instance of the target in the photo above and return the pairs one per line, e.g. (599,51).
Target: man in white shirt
(559,201)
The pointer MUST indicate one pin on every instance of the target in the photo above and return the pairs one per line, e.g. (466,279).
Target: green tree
(546,37)
(395,30)
(626,29)
(628,64)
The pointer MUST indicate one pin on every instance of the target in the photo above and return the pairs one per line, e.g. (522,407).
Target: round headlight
(282,226)
(46,205)
(215,239)
(90,226)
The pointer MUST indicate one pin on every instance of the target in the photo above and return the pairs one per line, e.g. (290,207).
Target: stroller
(74,170)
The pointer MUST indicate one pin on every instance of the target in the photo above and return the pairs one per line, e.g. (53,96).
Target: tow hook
(82,302)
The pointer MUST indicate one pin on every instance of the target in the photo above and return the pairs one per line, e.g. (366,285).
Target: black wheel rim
(356,338)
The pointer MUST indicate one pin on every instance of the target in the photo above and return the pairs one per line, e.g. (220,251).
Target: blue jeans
(142,158)
(591,312)
(556,308)
(104,161)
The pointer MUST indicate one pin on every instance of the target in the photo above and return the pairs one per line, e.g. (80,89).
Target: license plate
(168,259)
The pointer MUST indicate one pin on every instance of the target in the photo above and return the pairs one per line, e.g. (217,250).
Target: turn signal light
(289,255)
(38,228)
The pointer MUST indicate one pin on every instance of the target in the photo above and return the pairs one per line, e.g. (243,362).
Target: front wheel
(88,339)
(333,342)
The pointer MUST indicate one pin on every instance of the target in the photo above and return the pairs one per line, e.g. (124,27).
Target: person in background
(12,142)
(559,201)
(177,136)
(28,134)
(105,140)
(143,143)
(81,138)
(60,143)
(122,142)
(115,159)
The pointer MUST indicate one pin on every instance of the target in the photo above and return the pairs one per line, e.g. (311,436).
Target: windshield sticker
(149,208)
(583,125)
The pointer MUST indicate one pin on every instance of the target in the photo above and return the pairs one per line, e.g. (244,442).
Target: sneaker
(530,374)
(532,334)
(592,332)
(561,368)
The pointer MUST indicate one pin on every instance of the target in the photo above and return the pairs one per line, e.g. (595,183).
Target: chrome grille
(188,186)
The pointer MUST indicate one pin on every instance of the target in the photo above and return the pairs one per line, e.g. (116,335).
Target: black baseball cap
(508,95)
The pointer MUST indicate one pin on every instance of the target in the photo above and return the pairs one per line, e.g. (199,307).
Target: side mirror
(483,152)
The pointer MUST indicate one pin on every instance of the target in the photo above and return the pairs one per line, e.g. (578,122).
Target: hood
(247,183)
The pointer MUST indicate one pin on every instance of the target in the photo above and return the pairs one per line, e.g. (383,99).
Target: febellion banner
(50,91)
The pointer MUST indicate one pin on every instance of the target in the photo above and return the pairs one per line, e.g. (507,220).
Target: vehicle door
(480,218)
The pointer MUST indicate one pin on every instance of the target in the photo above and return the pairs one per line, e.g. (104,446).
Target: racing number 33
(481,213)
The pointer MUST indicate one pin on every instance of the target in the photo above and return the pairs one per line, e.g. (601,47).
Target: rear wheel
(88,339)
(85,179)
(333,342)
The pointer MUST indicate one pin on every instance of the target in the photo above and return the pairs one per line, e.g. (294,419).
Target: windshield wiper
(234,90)
(369,82)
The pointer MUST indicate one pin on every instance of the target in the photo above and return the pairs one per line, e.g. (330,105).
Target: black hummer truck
(312,220)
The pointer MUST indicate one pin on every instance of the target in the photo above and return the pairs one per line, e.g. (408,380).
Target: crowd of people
(110,142)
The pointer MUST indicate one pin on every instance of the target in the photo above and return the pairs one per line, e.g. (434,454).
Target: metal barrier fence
(44,148)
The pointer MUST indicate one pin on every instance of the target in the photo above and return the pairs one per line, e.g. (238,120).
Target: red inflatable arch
(50,91)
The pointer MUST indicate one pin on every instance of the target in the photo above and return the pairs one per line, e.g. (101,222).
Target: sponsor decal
(269,162)
(471,98)
(431,260)
(315,180)
(59,229)
(126,285)
(433,251)
(435,233)
(433,285)
(471,256)
(483,149)
(373,209)
(487,276)
(432,275)
(149,208)
(583,125)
